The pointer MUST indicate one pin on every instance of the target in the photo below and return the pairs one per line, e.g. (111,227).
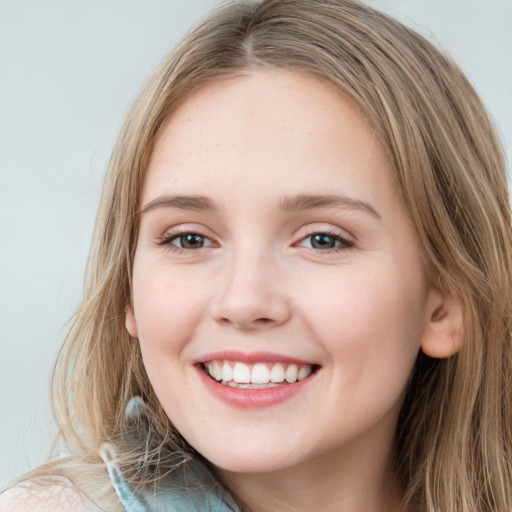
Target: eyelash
(170,236)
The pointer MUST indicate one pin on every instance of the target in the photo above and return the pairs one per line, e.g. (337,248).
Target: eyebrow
(196,203)
(294,203)
(307,202)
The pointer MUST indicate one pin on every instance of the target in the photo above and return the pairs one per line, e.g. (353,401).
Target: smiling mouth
(262,375)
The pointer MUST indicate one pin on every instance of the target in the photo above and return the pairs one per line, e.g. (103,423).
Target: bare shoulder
(57,495)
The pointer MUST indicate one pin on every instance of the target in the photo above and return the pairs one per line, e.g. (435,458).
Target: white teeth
(258,386)
(242,373)
(217,370)
(256,376)
(260,374)
(233,384)
(227,372)
(291,373)
(305,371)
(277,373)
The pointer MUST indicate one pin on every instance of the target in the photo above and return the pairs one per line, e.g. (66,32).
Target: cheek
(367,315)
(167,307)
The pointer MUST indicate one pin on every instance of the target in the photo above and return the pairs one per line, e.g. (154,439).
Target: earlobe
(130,322)
(444,332)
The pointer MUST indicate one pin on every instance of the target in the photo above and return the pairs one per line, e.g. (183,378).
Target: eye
(189,241)
(325,241)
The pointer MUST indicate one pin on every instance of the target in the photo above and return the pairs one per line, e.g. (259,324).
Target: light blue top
(188,488)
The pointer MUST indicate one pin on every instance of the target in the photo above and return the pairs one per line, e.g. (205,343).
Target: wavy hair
(454,435)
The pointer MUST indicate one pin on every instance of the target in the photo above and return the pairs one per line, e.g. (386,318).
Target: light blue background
(69,71)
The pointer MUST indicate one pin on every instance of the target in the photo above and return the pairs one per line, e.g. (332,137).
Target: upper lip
(251,357)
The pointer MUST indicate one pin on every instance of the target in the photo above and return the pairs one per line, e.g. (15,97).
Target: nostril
(242,324)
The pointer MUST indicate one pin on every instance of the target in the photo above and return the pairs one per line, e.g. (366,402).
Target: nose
(251,294)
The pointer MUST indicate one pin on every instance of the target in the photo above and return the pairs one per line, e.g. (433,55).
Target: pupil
(322,241)
(191,241)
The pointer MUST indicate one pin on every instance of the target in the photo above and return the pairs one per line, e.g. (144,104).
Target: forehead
(290,128)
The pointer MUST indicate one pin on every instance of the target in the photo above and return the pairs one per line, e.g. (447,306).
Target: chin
(250,459)
(251,466)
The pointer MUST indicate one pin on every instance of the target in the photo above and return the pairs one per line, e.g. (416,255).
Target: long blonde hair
(454,437)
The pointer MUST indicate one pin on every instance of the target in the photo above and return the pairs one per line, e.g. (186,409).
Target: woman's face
(274,245)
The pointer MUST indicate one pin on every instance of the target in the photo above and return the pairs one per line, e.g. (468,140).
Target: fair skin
(273,234)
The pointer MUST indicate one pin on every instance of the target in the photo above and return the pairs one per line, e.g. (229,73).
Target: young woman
(298,290)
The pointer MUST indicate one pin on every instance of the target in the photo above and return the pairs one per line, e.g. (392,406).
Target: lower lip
(243,398)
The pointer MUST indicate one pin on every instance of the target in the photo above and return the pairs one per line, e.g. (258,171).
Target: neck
(360,479)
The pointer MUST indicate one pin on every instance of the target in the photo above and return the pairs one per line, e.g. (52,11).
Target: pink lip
(241,398)
(252,357)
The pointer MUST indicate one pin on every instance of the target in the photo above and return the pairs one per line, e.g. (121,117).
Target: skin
(361,310)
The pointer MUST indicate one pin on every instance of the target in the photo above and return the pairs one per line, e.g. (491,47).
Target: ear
(444,332)
(130,322)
